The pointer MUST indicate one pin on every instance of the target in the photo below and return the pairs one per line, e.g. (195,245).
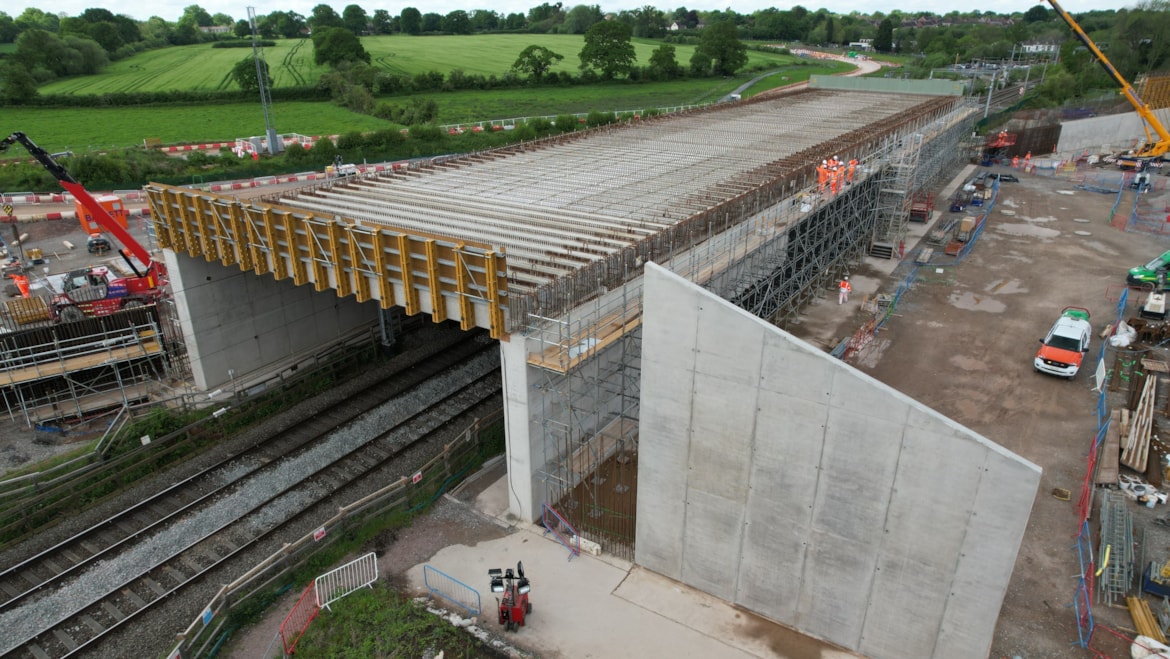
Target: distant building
(861,44)
(1040,48)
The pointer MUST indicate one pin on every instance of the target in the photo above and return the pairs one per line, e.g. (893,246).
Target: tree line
(50,46)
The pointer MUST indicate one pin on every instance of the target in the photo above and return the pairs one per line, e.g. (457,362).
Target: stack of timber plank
(1136,444)
(1144,620)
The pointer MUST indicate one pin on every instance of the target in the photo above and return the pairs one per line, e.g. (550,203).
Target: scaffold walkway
(26,365)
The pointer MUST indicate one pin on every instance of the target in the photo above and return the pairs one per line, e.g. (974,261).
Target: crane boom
(1152,148)
(79,193)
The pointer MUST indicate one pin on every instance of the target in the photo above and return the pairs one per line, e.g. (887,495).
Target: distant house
(861,44)
(674,27)
(215,29)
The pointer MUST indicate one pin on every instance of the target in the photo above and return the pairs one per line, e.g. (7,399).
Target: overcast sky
(171,10)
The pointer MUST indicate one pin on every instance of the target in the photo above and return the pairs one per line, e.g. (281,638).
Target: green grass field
(290,61)
(84,130)
(201,67)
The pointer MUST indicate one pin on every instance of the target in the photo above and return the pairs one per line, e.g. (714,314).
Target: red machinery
(95,291)
(996,147)
(514,604)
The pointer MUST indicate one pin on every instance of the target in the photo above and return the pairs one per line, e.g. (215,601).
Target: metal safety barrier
(297,620)
(553,523)
(339,582)
(452,590)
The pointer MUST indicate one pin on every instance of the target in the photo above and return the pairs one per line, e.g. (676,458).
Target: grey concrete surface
(600,606)
(234,320)
(778,478)
(1108,134)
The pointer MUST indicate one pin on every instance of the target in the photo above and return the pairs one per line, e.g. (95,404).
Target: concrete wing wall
(1115,132)
(781,479)
(240,321)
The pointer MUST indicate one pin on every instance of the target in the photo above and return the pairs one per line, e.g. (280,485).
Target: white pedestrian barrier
(338,583)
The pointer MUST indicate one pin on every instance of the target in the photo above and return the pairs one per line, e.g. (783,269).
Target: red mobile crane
(94,291)
(1150,149)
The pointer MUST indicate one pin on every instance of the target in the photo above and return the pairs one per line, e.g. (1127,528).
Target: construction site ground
(961,341)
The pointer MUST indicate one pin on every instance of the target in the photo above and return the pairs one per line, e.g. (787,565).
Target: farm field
(91,129)
(202,68)
(83,130)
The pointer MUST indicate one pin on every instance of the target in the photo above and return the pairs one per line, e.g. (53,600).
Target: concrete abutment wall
(781,479)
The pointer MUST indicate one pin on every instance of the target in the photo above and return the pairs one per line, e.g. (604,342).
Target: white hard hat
(824,162)
(846,277)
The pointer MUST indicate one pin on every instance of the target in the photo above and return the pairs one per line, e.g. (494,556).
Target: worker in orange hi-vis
(843,290)
(849,174)
(1027,160)
(1015,162)
(822,176)
(838,177)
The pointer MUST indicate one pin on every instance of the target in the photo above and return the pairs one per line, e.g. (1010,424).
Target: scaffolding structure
(66,372)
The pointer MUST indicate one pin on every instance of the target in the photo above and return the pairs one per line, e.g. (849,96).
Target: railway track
(65,600)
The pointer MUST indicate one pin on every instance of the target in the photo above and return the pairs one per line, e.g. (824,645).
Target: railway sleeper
(94,626)
(154,586)
(134,598)
(114,612)
(8,589)
(65,639)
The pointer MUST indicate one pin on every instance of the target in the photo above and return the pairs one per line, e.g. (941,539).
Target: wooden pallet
(1144,620)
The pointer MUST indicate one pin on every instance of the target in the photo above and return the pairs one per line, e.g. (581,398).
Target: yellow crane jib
(1151,148)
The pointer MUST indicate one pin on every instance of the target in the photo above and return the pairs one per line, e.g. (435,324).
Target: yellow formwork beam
(240,233)
(463,283)
(187,227)
(382,244)
(406,264)
(225,241)
(159,203)
(316,237)
(287,243)
(358,259)
(204,230)
(492,265)
(343,283)
(434,283)
(296,245)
